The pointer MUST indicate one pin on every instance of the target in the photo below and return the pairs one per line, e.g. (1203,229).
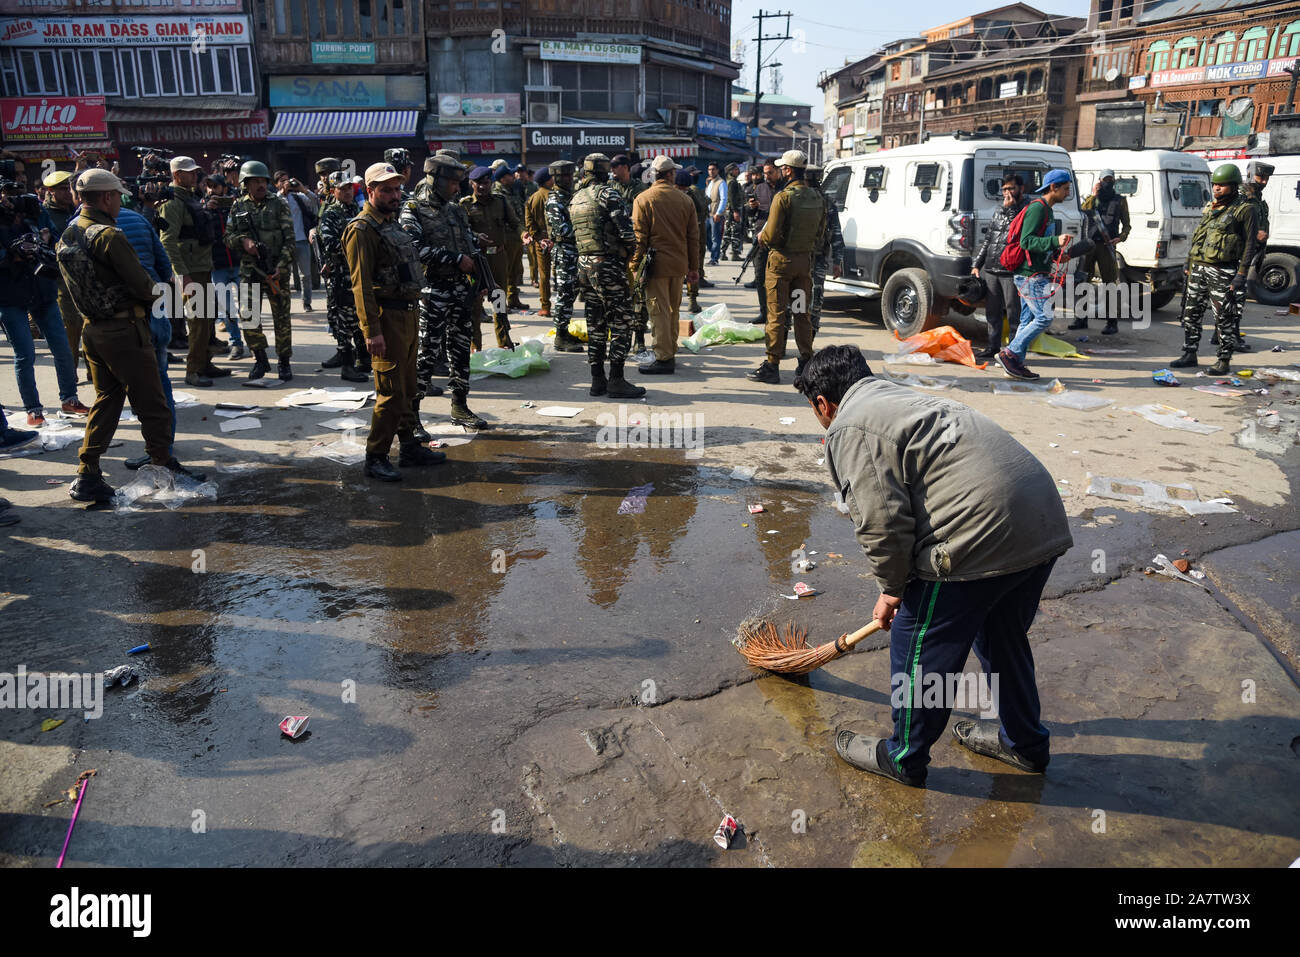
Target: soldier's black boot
(349,371)
(599,384)
(285,372)
(1078,324)
(638,342)
(418,433)
(1112,327)
(260,364)
(415,454)
(1186,361)
(695,305)
(460,413)
(90,488)
(378,466)
(567,343)
(362,353)
(1219,368)
(338,359)
(619,387)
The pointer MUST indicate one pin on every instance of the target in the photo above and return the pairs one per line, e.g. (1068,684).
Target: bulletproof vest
(804,220)
(400,274)
(444,223)
(334,212)
(629,191)
(265,219)
(1108,210)
(593,229)
(203,227)
(1218,239)
(94,298)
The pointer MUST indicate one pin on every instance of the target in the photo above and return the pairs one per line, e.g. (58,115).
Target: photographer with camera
(305,211)
(28,286)
(188,236)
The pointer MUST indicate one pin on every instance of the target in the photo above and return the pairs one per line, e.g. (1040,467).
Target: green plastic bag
(719,328)
(526,358)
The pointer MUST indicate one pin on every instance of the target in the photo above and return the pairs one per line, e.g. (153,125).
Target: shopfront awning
(370,124)
(675,150)
(123,114)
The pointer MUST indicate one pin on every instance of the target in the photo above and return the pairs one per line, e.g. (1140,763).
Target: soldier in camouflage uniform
(340,207)
(831,255)
(1223,247)
(400,159)
(260,216)
(438,223)
(1252,191)
(602,229)
(564,255)
(630,187)
(493,219)
(503,185)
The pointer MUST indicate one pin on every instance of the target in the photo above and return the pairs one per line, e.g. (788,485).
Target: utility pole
(758,62)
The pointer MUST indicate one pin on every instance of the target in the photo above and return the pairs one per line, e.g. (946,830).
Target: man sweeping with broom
(961,526)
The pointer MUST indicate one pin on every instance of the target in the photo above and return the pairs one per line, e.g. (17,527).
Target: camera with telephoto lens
(37,254)
(154,159)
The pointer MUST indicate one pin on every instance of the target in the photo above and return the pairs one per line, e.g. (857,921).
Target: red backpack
(1013,254)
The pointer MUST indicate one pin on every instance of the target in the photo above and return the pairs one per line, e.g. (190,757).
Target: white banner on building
(224,29)
(584,51)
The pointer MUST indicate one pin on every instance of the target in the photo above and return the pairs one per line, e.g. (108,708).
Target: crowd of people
(410,272)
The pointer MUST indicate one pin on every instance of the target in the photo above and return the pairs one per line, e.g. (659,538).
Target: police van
(1278,280)
(1166,193)
(914,217)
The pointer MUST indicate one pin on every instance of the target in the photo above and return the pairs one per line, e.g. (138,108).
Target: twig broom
(788,653)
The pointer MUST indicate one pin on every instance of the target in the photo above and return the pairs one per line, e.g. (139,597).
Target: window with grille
(40,71)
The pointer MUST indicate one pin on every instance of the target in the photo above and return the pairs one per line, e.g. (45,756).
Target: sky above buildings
(826,33)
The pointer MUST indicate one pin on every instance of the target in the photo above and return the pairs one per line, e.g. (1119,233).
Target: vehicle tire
(1278,282)
(907,302)
(1161,299)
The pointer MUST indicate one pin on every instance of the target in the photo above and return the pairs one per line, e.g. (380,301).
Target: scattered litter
(920,381)
(295,725)
(787,420)
(742,473)
(804,565)
(241,425)
(1245,373)
(232,468)
(1098,381)
(720,331)
(560,411)
(744,524)
(1279,312)
(1171,418)
(257,383)
(803,590)
(1278,348)
(140,649)
(333,399)
(49,724)
(1290,375)
(165,486)
(1107,351)
(1053,445)
(342,451)
(1055,387)
(1046,345)
(452,440)
(1164,377)
(54,481)
(83,782)
(1079,401)
(122,676)
(1182,564)
(726,832)
(834,555)
(1156,495)
(944,343)
(1082,339)
(1221,390)
(1275,432)
(528,405)
(821,460)
(237,413)
(127,416)
(635,501)
(345,423)
(911,359)
(1160,565)
(841,506)
(755,509)
(770,531)
(184,400)
(525,358)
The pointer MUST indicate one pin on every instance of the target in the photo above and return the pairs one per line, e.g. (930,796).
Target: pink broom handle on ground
(73,823)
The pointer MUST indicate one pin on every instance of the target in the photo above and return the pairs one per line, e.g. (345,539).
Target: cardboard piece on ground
(1171,418)
(237,413)
(560,411)
(241,425)
(344,423)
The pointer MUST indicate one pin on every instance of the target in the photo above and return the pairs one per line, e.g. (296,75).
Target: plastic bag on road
(164,486)
(944,343)
(717,332)
(1080,401)
(526,358)
(1046,345)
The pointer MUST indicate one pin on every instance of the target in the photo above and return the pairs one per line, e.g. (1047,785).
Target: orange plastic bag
(944,343)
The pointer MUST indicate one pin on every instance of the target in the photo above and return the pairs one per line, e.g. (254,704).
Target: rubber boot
(260,364)
(348,370)
(599,384)
(285,373)
(564,342)
(620,388)
(418,433)
(361,352)
(460,413)
(1219,368)
(340,357)
(1186,361)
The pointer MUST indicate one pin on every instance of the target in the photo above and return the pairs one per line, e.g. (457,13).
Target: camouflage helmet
(561,167)
(1226,175)
(450,153)
(337,179)
(327,165)
(399,158)
(443,166)
(252,170)
(595,163)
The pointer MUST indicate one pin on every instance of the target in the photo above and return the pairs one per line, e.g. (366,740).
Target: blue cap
(503,171)
(1055,177)
(478,172)
(683,178)
(542,177)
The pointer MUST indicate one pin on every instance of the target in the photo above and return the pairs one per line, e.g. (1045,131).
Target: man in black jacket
(1002,296)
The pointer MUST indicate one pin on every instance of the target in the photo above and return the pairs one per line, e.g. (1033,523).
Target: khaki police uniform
(795,229)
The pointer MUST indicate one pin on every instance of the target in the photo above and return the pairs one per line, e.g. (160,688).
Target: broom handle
(845,642)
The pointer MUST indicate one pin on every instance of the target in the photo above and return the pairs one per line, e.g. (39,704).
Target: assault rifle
(488,286)
(745,265)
